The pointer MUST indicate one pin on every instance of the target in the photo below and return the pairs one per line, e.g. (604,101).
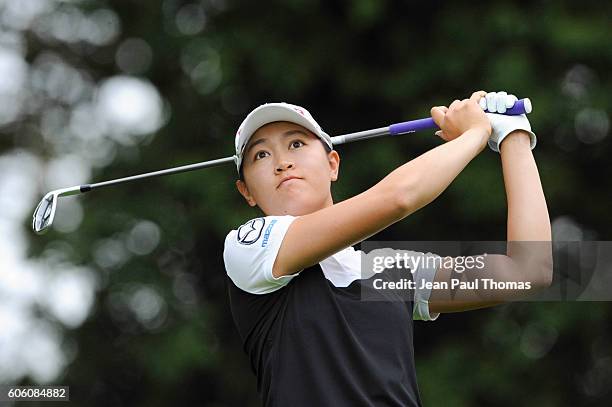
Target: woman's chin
(297,201)
(298,207)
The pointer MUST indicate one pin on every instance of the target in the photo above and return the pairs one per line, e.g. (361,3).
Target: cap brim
(269,114)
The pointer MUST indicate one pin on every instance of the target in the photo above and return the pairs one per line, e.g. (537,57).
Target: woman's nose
(284,166)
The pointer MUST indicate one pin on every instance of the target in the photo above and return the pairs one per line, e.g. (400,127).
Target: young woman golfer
(295,281)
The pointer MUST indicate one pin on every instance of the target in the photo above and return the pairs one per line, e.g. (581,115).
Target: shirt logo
(267,234)
(250,232)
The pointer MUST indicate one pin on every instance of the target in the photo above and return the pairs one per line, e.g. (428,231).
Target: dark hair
(327,148)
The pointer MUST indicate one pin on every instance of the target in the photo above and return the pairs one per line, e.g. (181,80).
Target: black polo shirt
(311,338)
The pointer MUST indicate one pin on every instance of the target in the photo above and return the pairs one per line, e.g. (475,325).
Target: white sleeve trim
(420,310)
(276,239)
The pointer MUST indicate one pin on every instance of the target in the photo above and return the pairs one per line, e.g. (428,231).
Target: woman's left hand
(460,117)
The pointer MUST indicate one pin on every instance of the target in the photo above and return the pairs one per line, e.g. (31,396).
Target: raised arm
(316,236)
(529,252)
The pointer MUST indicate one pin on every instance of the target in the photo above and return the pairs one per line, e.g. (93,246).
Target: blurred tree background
(125,299)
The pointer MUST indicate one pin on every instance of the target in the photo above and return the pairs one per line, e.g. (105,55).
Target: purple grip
(521,106)
(518,108)
(412,126)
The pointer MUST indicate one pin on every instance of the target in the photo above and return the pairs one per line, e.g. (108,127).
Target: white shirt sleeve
(427,272)
(250,252)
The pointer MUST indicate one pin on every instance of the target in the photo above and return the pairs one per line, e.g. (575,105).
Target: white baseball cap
(275,112)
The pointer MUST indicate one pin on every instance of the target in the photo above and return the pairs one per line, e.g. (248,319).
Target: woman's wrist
(480,134)
(518,140)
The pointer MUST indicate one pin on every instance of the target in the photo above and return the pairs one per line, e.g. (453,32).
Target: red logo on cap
(300,111)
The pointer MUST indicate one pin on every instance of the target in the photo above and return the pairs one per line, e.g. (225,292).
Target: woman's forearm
(527,212)
(421,180)
(529,231)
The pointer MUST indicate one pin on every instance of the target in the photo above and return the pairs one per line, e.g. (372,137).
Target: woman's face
(279,150)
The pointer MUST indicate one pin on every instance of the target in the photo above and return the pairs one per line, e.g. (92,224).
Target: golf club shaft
(176,170)
(521,106)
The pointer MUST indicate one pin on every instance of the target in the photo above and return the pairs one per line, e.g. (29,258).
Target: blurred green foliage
(355,65)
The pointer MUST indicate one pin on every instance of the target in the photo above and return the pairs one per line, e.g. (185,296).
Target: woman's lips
(285,180)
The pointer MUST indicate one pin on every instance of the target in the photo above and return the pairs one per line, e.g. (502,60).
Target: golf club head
(44,213)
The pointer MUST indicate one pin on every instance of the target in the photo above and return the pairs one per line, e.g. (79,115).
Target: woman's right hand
(462,116)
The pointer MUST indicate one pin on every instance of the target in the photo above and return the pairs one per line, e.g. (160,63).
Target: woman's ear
(244,191)
(334,164)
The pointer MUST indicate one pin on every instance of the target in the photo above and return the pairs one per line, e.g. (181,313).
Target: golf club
(45,211)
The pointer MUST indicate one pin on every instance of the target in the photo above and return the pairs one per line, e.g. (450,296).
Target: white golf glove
(496,103)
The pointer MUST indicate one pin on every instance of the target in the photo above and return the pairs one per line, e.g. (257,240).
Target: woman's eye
(260,154)
(297,143)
